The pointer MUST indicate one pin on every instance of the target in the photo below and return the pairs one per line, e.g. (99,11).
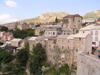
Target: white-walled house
(94,31)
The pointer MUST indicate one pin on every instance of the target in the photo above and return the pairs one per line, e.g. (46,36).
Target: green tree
(56,20)
(39,56)
(3,28)
(27,48)
(22,57)
(5,57)
(38,25)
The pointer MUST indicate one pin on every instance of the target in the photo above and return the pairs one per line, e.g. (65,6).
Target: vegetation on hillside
(56,20)
(64,70)
(3,28)
(38,57)
(17,33)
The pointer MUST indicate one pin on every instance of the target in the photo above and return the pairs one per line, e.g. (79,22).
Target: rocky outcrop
(46,17)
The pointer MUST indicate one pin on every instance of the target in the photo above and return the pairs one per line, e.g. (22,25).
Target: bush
(15,71)
(46,64)
(1,43)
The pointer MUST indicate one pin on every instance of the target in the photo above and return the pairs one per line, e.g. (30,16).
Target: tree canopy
(39,56)
(3,28)
(22,57)
(5,57)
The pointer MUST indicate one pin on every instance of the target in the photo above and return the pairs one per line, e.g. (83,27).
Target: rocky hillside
(46,17)
(94,14)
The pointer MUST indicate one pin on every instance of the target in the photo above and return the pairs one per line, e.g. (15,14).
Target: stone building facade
(72,44)
(16,42)
(23,26)
(64,48)
(74,22)
(53,30)
(47,24)
(38,30)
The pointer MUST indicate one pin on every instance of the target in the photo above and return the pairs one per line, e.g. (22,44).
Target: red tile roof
(71,16)
(98,20)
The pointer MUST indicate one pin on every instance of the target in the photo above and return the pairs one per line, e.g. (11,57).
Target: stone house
(72,44)
(32,41)
(11,25)
(82,42)
(16,42)
(47,24)
(23,26)
(53,30)
(38,30)
(66,31)
(74,22)
(6,36)
(32,25)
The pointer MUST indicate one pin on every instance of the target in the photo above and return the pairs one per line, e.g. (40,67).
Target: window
(53,33)
(96,38)
(48,32)
(54,46)
(68,47)
(83,31)
(62,47)
(76,50)
(64,33)
(73,29)
(96,33)
(45,46)
(91,32)
(94,43)
(80,39)
(67,33)
(78,20)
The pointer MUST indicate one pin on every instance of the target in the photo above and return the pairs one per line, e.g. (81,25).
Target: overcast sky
(13,10)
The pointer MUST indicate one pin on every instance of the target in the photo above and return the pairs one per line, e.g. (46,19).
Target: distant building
(47,24)
(6,36)
(32,25)
(53,30)
(89,20)
(23,26)
(16,42)
(71,21)
(38,30)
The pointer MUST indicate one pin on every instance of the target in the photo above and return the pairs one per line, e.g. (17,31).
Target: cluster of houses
(66,42)
(19,25)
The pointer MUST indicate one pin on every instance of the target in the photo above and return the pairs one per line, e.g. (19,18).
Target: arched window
(68,47)
(96,32)
(91,32)
(96,38)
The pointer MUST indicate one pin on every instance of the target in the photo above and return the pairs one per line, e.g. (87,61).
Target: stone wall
(87,65)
